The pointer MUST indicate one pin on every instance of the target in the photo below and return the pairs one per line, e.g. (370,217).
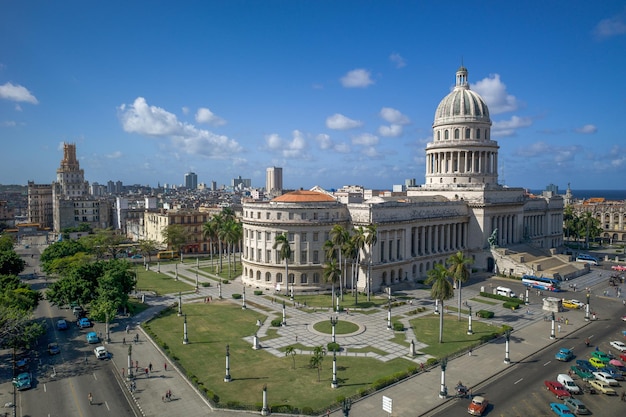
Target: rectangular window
(303,237)
(303,279)
(268,236)
(303,257)
(267,215)
(291,237)
(290,216)
(382,251)
(268,256)
(314,215)
(303,216)
(316,259)
(398,250)
(278,215)
(316,236)
(259,255)
(258,235)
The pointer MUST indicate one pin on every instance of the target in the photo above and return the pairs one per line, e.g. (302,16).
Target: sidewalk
(417,395)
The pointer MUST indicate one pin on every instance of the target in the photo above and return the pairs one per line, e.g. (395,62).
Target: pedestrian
(122,372)
(422,366)
(559,328)
(566,322)
(90,398)
(470,352)
(123,340)
(165,366)
(150,366)
(137,338)
(147,375)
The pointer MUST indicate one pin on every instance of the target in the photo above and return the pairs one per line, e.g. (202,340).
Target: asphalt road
(62,382)
(521,392)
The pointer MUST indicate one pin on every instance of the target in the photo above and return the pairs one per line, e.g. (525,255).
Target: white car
(606,378)
(618,345)
(101,352)
(578,303)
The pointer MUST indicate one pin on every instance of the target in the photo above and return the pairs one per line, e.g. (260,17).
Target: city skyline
(335,93)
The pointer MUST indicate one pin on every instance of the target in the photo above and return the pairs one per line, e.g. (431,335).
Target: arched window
(477,133)
(268,277)
(279,277)
(456,133)
(467,133)
(251,274)
(445,135)
(258,275)
(438,135)
(292,278)
(303,279)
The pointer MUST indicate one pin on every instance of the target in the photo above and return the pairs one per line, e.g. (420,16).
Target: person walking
(165,366)
(90,398)
(123,340)
(150,366)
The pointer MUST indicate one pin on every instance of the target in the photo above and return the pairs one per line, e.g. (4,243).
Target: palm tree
(332,274)
(441,289)
(291,351)
(317,359)
(339,236)
(371,238)
(282,243)
(458,268)
(209,231)
(232,234)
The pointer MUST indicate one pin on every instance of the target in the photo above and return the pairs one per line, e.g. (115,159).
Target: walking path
(417,395)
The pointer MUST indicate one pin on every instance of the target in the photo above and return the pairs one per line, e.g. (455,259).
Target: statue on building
(493,239)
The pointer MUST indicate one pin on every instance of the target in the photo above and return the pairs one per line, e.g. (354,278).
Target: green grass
(455,337)
(213,326)
(482,300)
(136,306)
(367,349)
(160,283)
(342,327)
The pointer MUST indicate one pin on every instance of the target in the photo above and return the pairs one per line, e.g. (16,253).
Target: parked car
(618,345)
(613,372)
(557,389)
(568,383)
(586,365)
(83,323)
(92,337)
(596,363)
(101,352)
(560,410)
(582,373)
(136,256)
(602,387)
(53,348)
(602,356)
(22,381)
(77,311)
(576,406)
(570,304)
(604,377)
(61,324)
(478,406)
(564,355)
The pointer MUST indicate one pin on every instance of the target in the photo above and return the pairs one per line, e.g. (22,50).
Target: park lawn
(455,337)
(160,283)
(482,300)
(342,327)
(213,326)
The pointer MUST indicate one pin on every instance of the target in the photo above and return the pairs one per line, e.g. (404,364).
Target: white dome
(462,104)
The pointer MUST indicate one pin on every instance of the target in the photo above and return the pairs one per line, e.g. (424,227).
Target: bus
(541,283)
(588,259)
(168,254)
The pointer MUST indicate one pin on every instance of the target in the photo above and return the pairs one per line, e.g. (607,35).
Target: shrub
(431,361)
(277,322)
(236,296)
(511,305)
(224,281)
(333,347)
(206,284)
(258,292)
(485,314)
(308,411)
(398,327)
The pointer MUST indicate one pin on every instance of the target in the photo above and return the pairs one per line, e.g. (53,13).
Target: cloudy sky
(334,92)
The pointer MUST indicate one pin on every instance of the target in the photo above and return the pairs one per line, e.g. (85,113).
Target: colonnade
(506,229)
(534,225)
(450,162)
(438,238)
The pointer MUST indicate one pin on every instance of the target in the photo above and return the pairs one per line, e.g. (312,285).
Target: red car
(478,406)
(557,389)
(622,356)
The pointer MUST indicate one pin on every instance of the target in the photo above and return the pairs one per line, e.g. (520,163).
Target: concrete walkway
(417,395)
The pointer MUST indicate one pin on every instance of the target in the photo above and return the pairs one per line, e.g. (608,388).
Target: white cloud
(365,139)
(397,59)
(537,148)
(324,140)
(342,148)
(114,155)
(204,115)
(613,26)
(358,78)
(8,123)
(340,122)
(185,110)
(371,152)
(394,116)
(296,148)
(587,129)
(12,92)
(391,131)
(147,120)
(508,127)
(493,91)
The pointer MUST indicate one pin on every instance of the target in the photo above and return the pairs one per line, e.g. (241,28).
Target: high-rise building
(191,181)
(274,179)
(40,204)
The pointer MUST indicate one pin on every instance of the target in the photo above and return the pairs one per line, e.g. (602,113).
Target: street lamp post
(389,314)
(227,377)
(507,335)
(469,321)
(219,290)
(443,392)
(437,306)
(243,302)
(176,267)
(180,304)
(334,383)
(284,323)
(552,334)
(185,339)
(587,307)
(333,322)
(526,297)
(159,267)
(196,279)
(265,410)
(130,362)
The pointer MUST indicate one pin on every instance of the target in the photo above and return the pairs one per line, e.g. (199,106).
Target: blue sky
(335,92)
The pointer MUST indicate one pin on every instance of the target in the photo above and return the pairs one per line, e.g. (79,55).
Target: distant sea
(585,194)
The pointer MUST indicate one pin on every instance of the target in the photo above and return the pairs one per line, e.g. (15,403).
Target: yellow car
(596,363)
(570,305)
(602,387)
